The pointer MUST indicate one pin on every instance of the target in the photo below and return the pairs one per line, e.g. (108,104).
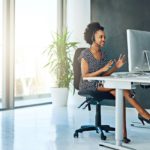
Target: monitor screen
(138,43)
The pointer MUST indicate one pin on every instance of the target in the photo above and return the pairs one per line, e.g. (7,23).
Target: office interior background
(32,26)
(26,27)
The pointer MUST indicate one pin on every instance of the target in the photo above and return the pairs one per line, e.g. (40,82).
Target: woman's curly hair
(91,30)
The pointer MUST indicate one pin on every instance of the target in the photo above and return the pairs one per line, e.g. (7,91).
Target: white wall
(78,16)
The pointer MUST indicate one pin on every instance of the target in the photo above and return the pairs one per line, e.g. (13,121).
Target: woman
(94,63)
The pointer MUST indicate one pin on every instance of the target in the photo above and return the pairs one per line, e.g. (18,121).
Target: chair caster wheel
(97,131)
(103,137)
(76,135)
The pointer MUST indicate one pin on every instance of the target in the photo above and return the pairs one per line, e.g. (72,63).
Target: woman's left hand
(120,62)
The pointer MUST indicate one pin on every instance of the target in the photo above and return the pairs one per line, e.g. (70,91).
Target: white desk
(120,82)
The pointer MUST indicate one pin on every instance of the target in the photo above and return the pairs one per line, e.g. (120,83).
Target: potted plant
(60,62)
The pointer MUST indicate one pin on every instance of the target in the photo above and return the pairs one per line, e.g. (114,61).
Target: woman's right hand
(107,66)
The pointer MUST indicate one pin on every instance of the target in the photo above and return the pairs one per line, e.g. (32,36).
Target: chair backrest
(77,68)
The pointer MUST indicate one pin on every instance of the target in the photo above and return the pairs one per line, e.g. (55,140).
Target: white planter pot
(59,96)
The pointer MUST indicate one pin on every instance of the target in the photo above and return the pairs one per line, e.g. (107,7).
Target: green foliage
(59,60)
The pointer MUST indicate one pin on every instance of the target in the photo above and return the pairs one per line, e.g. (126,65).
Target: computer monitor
(138,43)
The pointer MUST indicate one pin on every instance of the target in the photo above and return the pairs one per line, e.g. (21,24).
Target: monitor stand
(147,58)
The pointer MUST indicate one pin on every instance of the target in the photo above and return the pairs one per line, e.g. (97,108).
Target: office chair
(94,98)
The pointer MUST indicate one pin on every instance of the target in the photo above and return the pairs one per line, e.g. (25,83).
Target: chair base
(98,129)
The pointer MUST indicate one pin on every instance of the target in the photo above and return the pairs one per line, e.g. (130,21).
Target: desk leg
(119,117)
(118,124)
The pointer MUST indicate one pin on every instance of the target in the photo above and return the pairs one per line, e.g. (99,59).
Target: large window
(1,53)
(35,21)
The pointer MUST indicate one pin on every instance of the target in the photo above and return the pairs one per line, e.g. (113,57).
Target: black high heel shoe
(126,140)
(142,119)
